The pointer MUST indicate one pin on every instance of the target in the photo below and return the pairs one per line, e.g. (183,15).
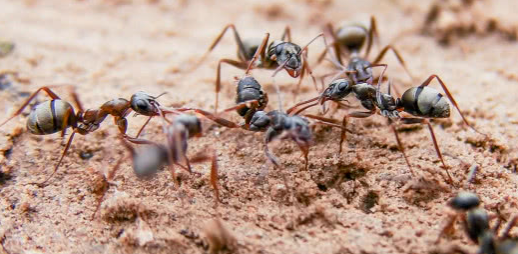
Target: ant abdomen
(251,45)
(352,36)
(425,102)
(249,89)
(48,116)
(149,160)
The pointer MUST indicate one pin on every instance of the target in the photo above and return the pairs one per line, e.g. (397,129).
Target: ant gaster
(279,54)
(475,221)
(57,115)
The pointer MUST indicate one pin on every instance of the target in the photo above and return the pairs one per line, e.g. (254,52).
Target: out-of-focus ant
(57,115)
(154,156)
(348,40)
(278,55)
(476,225)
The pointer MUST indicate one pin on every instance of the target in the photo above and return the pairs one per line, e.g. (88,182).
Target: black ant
(251,101)
(57,115)
(476,225)
(422,102)
(280,54)
(350,40)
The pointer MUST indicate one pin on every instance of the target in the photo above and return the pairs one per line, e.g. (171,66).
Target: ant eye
(142,105)
(342,86)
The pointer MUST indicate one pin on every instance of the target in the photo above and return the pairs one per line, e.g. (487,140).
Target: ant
(350,39)
(422,102)
(147,161)
(278,55)
(57,115)
(251,101)
(476,226)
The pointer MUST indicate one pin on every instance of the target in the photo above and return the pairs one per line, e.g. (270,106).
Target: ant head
(147,161)
(288,55)
(352,36)
(191,123)
(144,104)
(338,89)
(260,121)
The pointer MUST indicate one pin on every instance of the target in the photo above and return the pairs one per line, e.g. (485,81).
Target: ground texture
(363,201)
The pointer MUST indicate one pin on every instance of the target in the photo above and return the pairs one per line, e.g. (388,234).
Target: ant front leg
(46,89)
(398,56)
(434,139)
(237,64)
(448,94)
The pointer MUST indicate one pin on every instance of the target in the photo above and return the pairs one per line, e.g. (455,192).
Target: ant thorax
(362,69)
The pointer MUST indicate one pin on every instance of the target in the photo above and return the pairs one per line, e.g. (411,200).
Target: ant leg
(214,118)
(237,64)
(143,126)
(302,103)
(361,114)
(60,160)
(398,56)
(447,228)
(77,101)
(510,226)
(214,177)
(241,47)
(401,147)
(448,94)
(46,89)
(286,34)
(107,179)
(337,54)
(334,123)
(261,51)
(309,70)
(213,171)
(122,123)
(434,139)
(373,32)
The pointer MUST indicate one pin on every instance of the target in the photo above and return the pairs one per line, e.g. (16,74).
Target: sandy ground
(364,201)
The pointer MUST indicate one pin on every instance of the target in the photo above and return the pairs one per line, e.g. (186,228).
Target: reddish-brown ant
(57,115)
(280,54)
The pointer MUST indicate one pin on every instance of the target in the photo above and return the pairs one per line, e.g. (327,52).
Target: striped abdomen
(48,117)
(425,102)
